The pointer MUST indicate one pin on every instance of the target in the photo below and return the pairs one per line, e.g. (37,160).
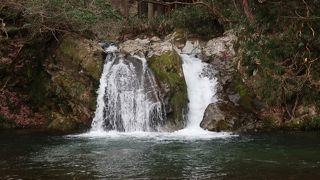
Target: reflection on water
(280,156)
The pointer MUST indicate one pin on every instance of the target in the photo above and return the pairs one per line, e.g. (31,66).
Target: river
(26,155)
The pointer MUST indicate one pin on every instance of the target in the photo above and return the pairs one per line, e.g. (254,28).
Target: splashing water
(128,96)
(201,89)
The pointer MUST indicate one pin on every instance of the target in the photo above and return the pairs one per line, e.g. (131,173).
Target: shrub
(159,26)
(284,49)
(311,124)
(196,20)
(61,16)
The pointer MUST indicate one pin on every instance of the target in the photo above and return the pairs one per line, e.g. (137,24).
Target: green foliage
(5,123)
(196,20)
(284,49)
(62,16)
(311,124)
(84,15)
(159,26)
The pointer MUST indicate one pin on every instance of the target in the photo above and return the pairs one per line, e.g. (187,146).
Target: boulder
(224,116)
(134,46)
(222,46)
(167,68)
(215,119)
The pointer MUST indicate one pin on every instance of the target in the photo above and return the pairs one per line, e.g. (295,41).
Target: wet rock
(215,119)
(155,39)
(167,68)
(159,48)
(62,122)
(224,116)
(135,46)
(191,48)
(236,110)
(149,47)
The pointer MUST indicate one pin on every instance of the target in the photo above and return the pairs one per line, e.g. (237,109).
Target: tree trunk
(142,9)
(150,10)
(125,8)
(247,10)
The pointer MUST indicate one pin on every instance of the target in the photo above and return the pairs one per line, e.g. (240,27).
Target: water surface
(265,156)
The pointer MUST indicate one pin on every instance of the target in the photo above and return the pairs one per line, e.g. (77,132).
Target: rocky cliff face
(74,68)
(49,84)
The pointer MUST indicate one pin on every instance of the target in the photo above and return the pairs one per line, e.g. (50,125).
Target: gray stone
(222,46)
(215,119)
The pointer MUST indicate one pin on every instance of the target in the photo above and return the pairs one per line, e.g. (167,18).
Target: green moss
(94,68)
(270,122)
(246,96)
(178,102)
(240,87)
(62,123)
(68,47)
(293,124)
(72,87)
(167,68)
(80,54)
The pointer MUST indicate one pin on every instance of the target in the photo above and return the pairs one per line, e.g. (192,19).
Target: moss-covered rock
(223,116)
(62,122)
(246,96)
(82,52)
(167,68)
(75,68)
(215,119)
(75,88)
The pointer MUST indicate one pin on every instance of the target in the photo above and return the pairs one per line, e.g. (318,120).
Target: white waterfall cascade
(128,96)
(139,108)
(201,87)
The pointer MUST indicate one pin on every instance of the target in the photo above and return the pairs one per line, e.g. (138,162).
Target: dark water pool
(265,156)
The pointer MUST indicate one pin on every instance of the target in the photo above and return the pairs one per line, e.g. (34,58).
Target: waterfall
(128,97)
(201,87)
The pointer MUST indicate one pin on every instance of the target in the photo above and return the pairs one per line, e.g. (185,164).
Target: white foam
(184,134)
(111,49)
